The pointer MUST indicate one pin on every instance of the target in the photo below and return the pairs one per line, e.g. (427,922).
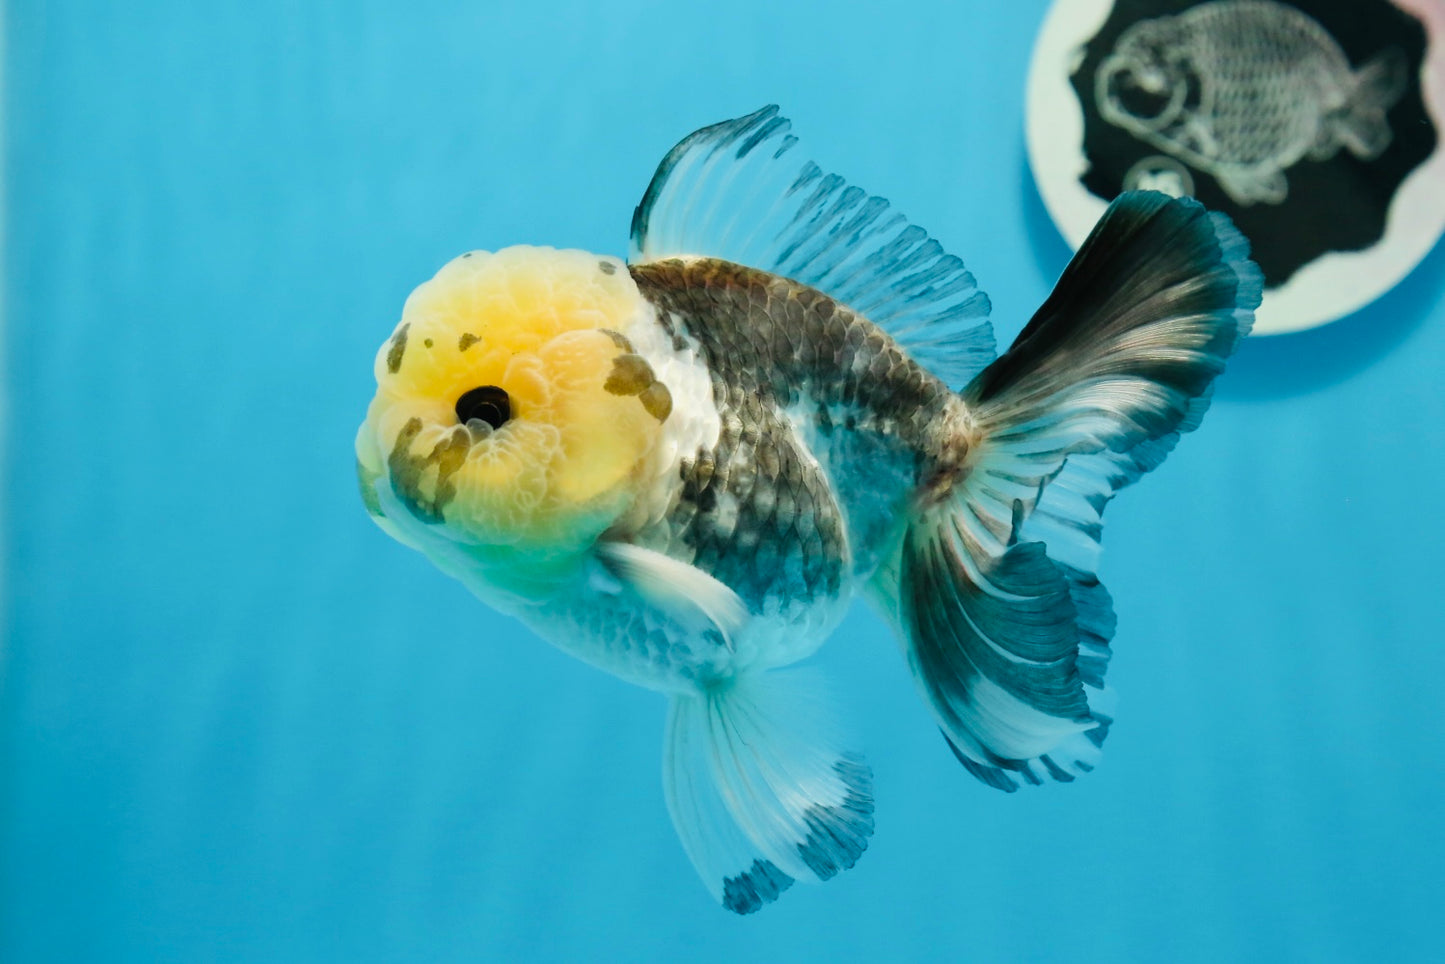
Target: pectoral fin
(684,592)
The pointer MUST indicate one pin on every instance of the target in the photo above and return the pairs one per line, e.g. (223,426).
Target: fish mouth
(483,410)
(1137,95)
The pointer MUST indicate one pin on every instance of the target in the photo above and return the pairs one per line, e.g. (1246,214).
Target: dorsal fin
(737,192)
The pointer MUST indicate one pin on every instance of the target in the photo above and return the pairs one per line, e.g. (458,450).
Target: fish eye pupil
(488,403)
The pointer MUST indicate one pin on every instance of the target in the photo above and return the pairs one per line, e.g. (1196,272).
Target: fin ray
(759,790)
(732,867)
(1008,625)
(1115,366)
(817,229)
(689,595)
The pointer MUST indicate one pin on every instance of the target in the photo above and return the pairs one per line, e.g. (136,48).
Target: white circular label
(1315,125)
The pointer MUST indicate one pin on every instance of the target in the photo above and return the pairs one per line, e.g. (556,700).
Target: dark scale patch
(780,500)
(837,836)
(427,342)
(466,341)
(758,511)
(760,884)
(408,470)
(697,488)
(607,267)
(397,350)
(772,337)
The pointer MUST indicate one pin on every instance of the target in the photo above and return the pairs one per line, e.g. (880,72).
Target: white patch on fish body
(1243,90)
(694,422)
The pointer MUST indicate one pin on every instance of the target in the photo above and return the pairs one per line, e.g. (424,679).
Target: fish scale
(770,343)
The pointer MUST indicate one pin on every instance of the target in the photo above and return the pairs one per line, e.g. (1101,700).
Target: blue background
(237,723)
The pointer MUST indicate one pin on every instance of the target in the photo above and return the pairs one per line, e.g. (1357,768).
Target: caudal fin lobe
(1007,625)
(1361,125)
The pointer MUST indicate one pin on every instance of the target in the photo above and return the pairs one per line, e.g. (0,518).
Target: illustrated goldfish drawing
(683,467)
(1244,89)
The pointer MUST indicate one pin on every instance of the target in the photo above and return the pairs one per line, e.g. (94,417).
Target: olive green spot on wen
(657,400)
(618,338)
(426,342)
(397,349)
(407,470)
(449,455)
(630,375)
(466,341)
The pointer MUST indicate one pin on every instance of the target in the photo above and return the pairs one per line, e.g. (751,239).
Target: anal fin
(758,791)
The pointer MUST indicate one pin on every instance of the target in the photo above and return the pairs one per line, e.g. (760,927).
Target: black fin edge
(720,131)
(838,835)
(754,888)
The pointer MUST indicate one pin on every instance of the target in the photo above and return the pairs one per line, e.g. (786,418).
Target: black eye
(489,403)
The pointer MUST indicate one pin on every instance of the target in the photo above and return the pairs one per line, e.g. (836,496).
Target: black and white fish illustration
(682,468)
(1244,89)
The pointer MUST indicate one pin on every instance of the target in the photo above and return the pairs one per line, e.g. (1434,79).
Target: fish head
(511,412)
(1148,83)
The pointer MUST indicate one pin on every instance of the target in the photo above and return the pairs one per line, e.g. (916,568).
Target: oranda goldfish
(683,467)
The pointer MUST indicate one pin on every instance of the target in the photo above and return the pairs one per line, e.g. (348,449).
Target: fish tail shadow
(760,789)
(1006,625)
(1361,125)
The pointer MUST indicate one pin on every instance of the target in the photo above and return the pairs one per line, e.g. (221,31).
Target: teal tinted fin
(760,793)
(1112,369)
(994,645)
(1008,625)
(740,191)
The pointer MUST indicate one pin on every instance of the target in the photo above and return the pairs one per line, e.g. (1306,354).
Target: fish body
(683,468)
(745,478)
(1245,89)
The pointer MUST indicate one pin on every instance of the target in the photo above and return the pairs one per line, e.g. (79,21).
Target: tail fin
(1361,124)
(1008,627)
(759,791)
